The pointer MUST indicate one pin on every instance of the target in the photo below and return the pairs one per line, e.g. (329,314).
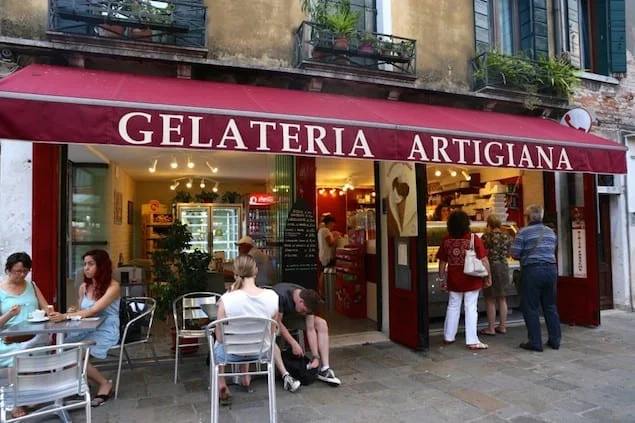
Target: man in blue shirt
(535,247)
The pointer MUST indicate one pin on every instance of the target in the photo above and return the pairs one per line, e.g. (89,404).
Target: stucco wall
(256,31)
(23,18)
(120,239)
(444,30)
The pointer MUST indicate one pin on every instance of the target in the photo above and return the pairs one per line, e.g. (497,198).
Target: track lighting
(153,168)
(452,172)
(174,185)
(202,184)
(174,164)
(332,191)
(215,189)
(466,175)
(437,173)
(189,183)
(212,169)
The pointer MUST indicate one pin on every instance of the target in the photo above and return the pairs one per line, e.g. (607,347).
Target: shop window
(88,214)
(570,224)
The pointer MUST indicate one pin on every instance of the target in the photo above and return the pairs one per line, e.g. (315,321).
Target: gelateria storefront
(483,162)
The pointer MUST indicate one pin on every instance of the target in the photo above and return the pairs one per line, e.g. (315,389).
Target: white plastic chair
(187,312)
(46,374)
(143,308)
(247,337)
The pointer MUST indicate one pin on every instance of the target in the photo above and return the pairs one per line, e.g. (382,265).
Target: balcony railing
(179,23)
(549,78)
(367,50)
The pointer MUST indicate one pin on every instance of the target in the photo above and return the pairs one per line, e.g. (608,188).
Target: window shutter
(481,25)
(617,36)
(534,37)
(574,33)
(68,25)
(193,14)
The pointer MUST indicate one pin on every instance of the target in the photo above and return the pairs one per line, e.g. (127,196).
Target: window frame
(495,34)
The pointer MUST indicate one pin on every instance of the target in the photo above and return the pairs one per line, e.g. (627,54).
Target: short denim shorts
(221,357)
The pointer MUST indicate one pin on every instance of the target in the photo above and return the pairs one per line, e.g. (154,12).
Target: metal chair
(136,331)
(188,310)
(250,337)
(47,374)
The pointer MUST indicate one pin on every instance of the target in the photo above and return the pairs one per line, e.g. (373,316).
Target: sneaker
(328,376)
(290,384)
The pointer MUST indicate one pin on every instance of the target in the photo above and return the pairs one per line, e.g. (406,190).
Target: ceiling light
(342,192)
(322,191)
(332,191)
(153,168)
(174,164)
(190,163)
(373,194)
(212,169)
(466,175)
(452,172)
(215,189)
(437,173)
(174,185)
(202,183)
(189,183)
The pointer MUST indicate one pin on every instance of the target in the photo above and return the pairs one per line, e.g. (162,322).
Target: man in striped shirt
(535,247)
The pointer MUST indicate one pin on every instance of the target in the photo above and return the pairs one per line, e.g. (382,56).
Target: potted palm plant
(342,24)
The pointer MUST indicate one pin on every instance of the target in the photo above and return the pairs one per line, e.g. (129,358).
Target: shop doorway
(605,275)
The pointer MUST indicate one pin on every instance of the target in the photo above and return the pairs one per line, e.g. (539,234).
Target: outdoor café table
(60,329)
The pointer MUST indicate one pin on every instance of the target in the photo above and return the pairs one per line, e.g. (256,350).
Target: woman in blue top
(98,296)
(18,299)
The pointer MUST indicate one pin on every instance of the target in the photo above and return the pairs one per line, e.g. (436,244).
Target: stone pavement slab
(590,379)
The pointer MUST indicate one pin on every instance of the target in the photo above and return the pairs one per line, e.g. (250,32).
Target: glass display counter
(438,299)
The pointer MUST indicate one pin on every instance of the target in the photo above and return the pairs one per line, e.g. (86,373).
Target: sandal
(101,399)
(484,332)
(479,346)
(500,330)
(224,396)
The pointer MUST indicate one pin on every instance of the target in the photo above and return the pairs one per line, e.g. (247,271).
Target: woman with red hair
(98,296)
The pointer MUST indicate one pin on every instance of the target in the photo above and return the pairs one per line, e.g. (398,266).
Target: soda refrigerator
(260,221)
(214,227)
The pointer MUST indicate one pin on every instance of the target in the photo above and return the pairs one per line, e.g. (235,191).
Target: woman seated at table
(18,299)
(98,296)
(245,299)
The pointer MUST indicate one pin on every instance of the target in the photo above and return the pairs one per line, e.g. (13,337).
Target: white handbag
(473,265)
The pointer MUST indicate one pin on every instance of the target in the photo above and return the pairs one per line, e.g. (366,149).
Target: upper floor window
(505,28)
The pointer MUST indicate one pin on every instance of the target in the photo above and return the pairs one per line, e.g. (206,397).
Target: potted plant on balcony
(342,23)
(557,76)
(367,42)
(334,16)
(406,49)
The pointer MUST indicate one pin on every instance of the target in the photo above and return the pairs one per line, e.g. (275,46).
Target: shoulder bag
(473,265)
(516,274)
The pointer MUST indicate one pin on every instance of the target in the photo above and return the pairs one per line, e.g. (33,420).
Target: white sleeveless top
(240,304)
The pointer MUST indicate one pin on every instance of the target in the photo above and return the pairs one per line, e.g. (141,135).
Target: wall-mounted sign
(261,199)
(577,119)
(155,205)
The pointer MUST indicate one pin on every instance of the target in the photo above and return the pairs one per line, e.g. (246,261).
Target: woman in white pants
(461,287)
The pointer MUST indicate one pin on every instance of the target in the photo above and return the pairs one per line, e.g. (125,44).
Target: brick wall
(611,105)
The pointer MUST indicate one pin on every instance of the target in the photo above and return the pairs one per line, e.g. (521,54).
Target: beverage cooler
(260,221)
(214,227)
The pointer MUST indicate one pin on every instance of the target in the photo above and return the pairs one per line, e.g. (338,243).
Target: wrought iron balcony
(552,79)
(360,49)
(178,23)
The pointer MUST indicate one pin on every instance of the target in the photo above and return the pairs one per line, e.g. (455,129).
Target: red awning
(73,105)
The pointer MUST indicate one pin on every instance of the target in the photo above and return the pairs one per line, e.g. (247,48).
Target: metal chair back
(46,374)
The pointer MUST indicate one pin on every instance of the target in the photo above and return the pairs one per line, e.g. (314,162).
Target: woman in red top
(451,256)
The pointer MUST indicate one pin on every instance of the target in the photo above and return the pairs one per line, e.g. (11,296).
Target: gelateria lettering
(241,133)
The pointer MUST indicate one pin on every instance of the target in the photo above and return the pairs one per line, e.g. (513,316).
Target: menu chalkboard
(299,248)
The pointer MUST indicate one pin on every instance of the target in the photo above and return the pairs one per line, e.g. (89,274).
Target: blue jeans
(538,288)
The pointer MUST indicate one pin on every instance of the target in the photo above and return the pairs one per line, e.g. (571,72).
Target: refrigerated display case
(214,227)
(260,221)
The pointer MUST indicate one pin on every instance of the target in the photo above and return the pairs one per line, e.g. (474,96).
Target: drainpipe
(564,27)
(628,232)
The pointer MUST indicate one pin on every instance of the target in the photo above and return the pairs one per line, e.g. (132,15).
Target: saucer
(34,320)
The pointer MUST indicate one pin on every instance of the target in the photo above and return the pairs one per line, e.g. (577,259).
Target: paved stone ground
(590,379)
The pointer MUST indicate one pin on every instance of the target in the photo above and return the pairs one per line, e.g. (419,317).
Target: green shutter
(534,32)
(481,25)
(193,15)
(574,33)
(617,36)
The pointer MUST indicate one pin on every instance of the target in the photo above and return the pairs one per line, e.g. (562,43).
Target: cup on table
(37,314)
(50,309)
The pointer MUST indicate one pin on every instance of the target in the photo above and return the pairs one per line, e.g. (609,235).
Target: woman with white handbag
(463,270)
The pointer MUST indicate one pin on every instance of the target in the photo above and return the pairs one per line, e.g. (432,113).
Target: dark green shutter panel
(617,36)
(62,18)
(191,14)
(481,25)
(534,32)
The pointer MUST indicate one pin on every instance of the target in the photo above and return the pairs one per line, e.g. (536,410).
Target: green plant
(175,271)
(147,12)
(182,197)
(334,15)
(342,24)
(231,197)
(206,197)
(406,48)
(558,75)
